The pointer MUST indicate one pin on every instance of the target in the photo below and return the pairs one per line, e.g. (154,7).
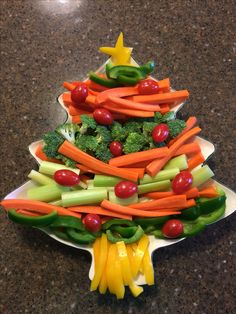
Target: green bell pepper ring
(60,233)
(190,213)
(158,234)
(120,222)
(103,81)
(127,71)
(68,222)
(127,81)
(145,222)
(192,228)
(125,232)
(80,237)
(40,221)
(114,239)
(208,205)
(212,217)
(148,67)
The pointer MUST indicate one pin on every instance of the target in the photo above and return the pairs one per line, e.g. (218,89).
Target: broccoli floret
(148,127)
(68,131)
(168,116)
(103,134)
(103,153)
(87,143)
(175,127)
(67,161)
(52,142)
(157,117)
(133,143)
(117,132)
(132,126)
(87,123)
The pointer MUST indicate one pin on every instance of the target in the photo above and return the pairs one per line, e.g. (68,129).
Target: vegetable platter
(123,176)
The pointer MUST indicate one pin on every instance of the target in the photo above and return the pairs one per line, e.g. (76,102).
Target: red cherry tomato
(79,94)
(182,182)
(66,177)
(148,87)
(125,189)
(173,228)
(103,116)
(116,148)
(92,222)
(160,133)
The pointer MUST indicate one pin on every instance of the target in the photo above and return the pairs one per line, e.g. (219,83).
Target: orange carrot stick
(41,155)
(209,192)
(129,112)
(129,104)
(77,119)
(37,206)
(195,161)
(126,160)
(191,193)
(91,100)
(190,123)
(162,98)
(68,86)
(98,210)
(188,149)
(155,166)
(85,169)
(175,201)
(66,97)
(164,108)
(73,111)
(118,92)
(136,212)
(28,213)
(96,87)
(70,151)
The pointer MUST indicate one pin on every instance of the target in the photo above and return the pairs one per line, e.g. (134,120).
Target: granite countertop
(44,43)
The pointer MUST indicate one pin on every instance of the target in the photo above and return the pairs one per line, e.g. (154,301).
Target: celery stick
(201,175)
(50,168)
(46,193)
(123,201)
(162,175)
(153,187)
(57,203)
(101,180)
(40,178)
(179,162)
(83,185)
(84,197)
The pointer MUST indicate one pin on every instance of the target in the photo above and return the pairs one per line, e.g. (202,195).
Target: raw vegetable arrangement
(123,171)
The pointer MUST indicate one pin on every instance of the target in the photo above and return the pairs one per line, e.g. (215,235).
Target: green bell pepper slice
(103,81)
(67,222)
(213,216)
(80,237)
(137,235)
(125,232)
(190,213)
(119,222)
(41,221)
(208,205)
(145,222)
(60,233)
(192,228)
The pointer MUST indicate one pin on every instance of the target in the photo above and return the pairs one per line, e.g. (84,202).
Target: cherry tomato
(160,133)
(125,189)
(182,182)
(66,177)
(173,228)
(79,94)
(116,148)
(92,222)
(103,116)
(148,87)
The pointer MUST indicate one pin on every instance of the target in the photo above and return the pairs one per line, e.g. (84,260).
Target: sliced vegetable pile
(123,170)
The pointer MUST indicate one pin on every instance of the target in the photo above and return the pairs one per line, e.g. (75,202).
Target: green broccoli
(67,161)
(68,131)
(175,127)
(157,117)
(52,142)
(103,153)
(86,143)
(133,143)
(103,134)
(168,116)
(88,123)
(117,132)
(148,127)
(131,127)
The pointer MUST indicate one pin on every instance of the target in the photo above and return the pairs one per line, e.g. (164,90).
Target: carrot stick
(140,171)
(167,202)
(37,206)
(190,123)
(195,161)
(73,111)
(164,108)
(141,164)
(116,116)
(129,112)
(69,86)
(28,213)
(188,149)
(41,155)
(91,100)
(164,85)
(136,212)
(156,165)
(96,87)
(66,97)
(126,160)
(162,98)
(92,92)
(209,192)
(118,92)
(98,210)
(77,119)
(129,104)
(85,169)
(191,193)
(70,151)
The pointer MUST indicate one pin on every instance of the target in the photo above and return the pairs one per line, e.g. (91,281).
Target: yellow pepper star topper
(120,55)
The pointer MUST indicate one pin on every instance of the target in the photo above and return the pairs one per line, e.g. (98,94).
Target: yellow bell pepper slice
(131,255)
(139,253)
(101,263)
(148,268)
(120,288)
(96,250)
(124,261)
(135,289)
(103,281)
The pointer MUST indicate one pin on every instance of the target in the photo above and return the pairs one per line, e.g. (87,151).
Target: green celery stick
(122,201)
(47,167)
(154,187)
(40,178)
(83,197)
(201,175)
(46,193)
(101,180)
(179,162)
(162,175)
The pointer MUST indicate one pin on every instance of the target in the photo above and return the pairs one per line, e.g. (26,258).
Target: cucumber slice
(153,187)
(162,175)
(40,178)
(179,162)
(83,197)
(46,193)
(47,167)
(122,201)
(102,180)
(201,175)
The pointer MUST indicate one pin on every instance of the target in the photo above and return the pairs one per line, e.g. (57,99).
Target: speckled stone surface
(46,42)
